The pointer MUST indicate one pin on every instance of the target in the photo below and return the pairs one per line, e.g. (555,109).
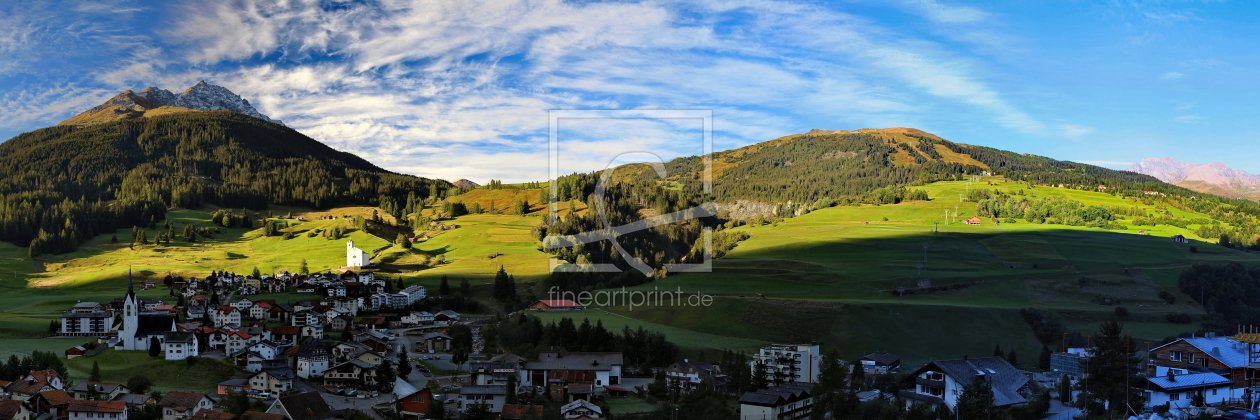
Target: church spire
(131,291)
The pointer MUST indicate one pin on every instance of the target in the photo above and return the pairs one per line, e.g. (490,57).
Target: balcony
(915,396)
(929,383)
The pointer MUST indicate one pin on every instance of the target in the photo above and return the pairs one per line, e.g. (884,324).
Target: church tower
(131,316)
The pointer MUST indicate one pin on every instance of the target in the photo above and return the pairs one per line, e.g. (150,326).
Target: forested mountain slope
(61,185)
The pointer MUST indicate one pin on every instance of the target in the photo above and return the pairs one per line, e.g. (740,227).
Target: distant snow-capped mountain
(1213,178)
(155,101)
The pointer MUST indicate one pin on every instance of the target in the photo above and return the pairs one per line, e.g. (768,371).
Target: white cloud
(1075,130)
(1188,119)
(1172,75)
(940,12)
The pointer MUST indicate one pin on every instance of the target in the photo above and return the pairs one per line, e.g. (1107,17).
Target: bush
(1168,297)
(1178,318)
(1122,312)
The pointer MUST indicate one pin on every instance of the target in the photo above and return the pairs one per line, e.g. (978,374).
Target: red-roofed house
(13,410)
(84,410)
(555,305)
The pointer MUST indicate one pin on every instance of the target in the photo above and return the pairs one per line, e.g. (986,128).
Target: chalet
(102,391)
(226,315)
(446,317)
(83,410)
(14,410)
(75,351)
(309,359)
(340,323)
(286,333)
(279,313)
(1209,354)
(24,389)
(604,368)
(49,376)
(179,405)
(351,372)
(581,409)
(878,364)
(689,375)
(942,381)
(789,401)
(278,381)
(305,288)
(974,220)
(167,309)
(411,403)
(1178,390)
(555,305)
(248,289)
(305,406)
(1180,239)
(491,396)
(53,403)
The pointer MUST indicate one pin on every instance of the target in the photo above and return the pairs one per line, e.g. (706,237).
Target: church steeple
(131,291)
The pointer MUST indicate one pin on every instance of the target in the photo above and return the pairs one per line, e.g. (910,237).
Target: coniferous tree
(1113,372)
(465,288)
(976,401)
(858,381)
(95,375)
(155,348)
(1043,362)
(997,351)
(444,288)
(1012,358)
(303,269)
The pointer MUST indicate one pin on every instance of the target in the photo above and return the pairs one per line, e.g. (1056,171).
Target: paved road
(1061,412)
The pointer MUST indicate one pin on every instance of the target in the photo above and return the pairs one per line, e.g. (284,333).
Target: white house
(418,318)
(355,257)
(492,396)
(180,345)
(606,366)
(1177,388)
(942,381)
(242,304)
(96,410)
(226,315)
(179,405)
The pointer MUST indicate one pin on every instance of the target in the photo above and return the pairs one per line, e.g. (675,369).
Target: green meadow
(826,276)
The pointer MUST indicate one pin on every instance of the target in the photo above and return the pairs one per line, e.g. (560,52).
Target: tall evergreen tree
(95,376)
(1114,372)
(1043,362)
(976,401)
(445,287)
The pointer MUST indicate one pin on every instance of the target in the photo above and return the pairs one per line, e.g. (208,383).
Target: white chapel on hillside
(355,257)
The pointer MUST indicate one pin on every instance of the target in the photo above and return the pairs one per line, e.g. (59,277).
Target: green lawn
(627,405)
(689,340)
(118,366)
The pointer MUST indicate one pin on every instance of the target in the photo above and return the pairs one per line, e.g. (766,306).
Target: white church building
(138,329)
(355,257)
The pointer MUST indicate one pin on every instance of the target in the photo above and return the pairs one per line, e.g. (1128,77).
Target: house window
(1191,358)
(1213,391)
(1174,356)
(1174,396)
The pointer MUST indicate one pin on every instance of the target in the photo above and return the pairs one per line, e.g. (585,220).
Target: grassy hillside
(856,256)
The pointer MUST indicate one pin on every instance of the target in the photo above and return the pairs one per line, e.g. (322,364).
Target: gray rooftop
(1190,380)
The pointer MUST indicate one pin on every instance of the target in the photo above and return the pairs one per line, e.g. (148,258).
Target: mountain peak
(1213,178)
(200,97)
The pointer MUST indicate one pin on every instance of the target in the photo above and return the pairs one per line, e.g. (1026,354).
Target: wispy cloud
(1188,119)
(946,13)
(1172,75)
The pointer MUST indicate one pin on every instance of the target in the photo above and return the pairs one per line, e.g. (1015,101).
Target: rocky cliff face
(1213,178)
(201,97)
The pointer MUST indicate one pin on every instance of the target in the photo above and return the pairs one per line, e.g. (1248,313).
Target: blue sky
(462,89)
